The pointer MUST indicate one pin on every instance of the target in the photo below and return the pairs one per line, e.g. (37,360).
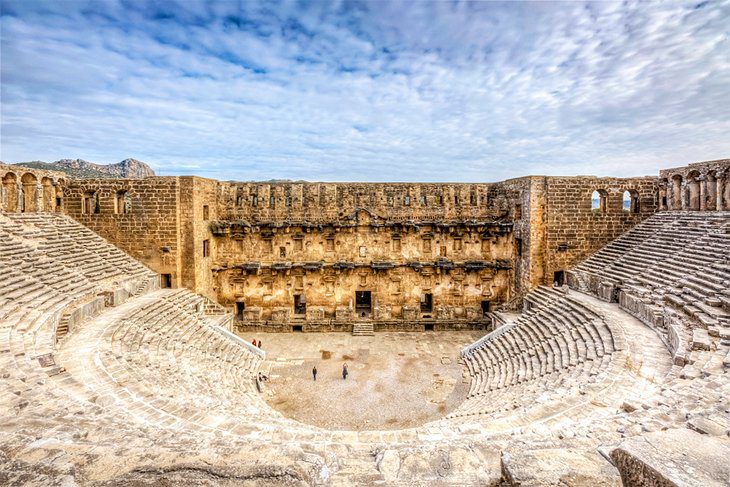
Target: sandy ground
(396,380)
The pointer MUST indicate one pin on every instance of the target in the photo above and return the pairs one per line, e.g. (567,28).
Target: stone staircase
(63,327)
(363,328)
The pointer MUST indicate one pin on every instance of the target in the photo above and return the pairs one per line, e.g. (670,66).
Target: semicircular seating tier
(99,364)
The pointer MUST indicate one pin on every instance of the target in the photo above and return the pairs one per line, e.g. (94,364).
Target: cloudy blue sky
(367,91)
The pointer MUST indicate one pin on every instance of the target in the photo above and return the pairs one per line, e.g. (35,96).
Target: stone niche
(444,313)
(280,314)
(315,314)
(344,313)
(252,314)
(410,313)
(382,312)
(473,312)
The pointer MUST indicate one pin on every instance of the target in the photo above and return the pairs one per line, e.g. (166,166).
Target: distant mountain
(81,169)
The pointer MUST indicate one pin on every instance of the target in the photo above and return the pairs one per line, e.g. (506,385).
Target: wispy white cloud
(367,91)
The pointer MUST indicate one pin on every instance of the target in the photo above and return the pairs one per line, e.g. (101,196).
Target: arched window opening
(662,199)
(630,201)
(676,192)
(59,197)
(599,201)
(711,193)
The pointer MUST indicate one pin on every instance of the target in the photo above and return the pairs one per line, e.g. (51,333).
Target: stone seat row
(555,334)
(185,369)
(549,389)
(651,241)
(684,252)
(69,244)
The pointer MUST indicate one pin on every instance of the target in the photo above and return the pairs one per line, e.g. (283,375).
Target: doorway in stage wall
(426,303)
(240,306)
(300,304)
(363,304)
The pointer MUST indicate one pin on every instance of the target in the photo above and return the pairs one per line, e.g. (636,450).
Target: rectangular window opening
(206,248)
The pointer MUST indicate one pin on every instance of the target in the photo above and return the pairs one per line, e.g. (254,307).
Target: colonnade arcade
(28,192)
(698,189)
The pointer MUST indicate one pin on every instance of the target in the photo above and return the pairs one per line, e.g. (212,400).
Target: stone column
(703,191)
(683,195)
(39,203)
(19,198)
(670,195)
(718,196)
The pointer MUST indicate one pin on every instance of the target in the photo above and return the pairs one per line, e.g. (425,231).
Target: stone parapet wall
(146,227)
(328,202)
(574,230)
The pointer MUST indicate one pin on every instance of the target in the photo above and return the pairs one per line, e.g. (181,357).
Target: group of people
(345,372)
(255,343)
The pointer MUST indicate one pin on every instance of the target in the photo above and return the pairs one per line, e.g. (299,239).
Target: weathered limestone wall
(516,202)
(198,206)
(460,267)
(27,190)
(325,202)
(288,251)
(573,230)
(139,216)
(304,251)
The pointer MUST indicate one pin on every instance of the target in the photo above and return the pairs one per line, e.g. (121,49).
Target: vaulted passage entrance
(300,304)
(363,303)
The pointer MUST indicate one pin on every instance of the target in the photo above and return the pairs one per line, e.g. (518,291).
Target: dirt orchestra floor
(396,380)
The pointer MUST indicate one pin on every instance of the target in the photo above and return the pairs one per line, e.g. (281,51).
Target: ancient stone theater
(179,330)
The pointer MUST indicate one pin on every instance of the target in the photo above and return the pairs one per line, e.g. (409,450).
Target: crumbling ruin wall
(281,252)
(198,207)
(306,251)
(574,230)
(140,216)
(519,201)
(327,202)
